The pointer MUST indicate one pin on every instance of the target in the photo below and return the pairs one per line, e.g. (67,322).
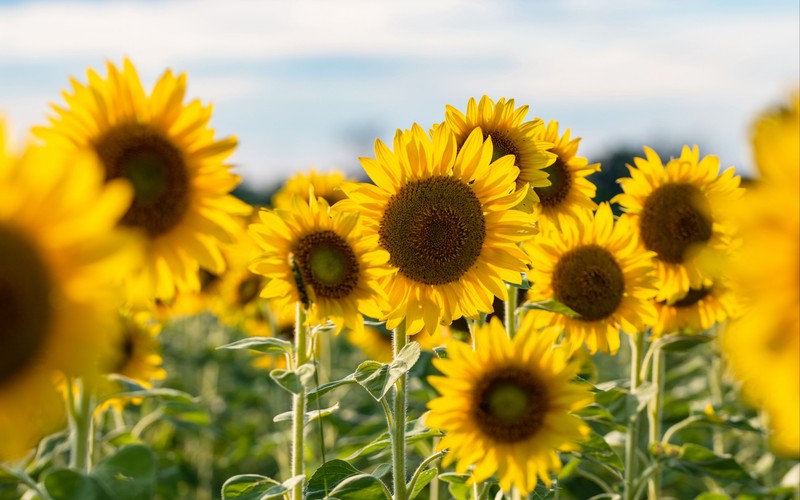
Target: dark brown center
(589,281)
(510,404)
(694,296)
(327,264)
(560,185)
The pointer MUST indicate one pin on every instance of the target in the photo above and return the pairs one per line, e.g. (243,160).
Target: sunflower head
(595,268)
(319,258)
(166,151)
(442,215)
(677,209)
(698,310)
(506,406)
(326,185)
(511,135)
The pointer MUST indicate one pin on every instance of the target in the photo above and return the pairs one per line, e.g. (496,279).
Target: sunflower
(165,149)
(763,344)
(677,209)
(326,185)
(569,192)
(503,122)
(137,356)
(443,216)
(595,268)
(506,406)
(59,256)
(320,259)
(698,310)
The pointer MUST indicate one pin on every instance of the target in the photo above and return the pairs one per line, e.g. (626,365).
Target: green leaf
(309,416)
(383,441)
(551,305)
(712,496)
(422,481)
(378,378)
(294,381)
(642,395)
(360,487)
(676,343)
(314,394)
(453,478)
(698,459)
(68,484)
(597,449)
(267,345)
(382,470)
(327,477)
(130,473)
(161,393)
(248,487)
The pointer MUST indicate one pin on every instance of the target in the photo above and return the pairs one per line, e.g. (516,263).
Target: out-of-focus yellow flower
(698,310)
(326,185)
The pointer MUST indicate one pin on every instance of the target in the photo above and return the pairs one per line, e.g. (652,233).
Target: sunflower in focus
(442,214)
(166,150)
(595,268)
(506,406)
(320,259)
(677,209)
(698,310)
(503,122)
(326,185)
(569,192)
(59,256)
(763,344)
(138,356)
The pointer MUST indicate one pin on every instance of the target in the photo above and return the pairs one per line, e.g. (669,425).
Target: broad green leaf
(378,378)
(162,393)
(597,449)
(698,459)
(130,473)
(314,394)
(267,345)
(309,416)
(360,487)
(673,343)
(453,478)
(248,487)
(382,470)
(327,477)
(294,381)
(187,414)
(423,479)
(68,484)
(383,442)
(551,305)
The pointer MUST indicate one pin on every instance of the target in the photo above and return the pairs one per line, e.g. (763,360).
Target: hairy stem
(398,432)
(631,444)
(654,417)
(299,401)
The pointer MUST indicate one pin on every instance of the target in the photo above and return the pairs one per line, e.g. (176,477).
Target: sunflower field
(464,321)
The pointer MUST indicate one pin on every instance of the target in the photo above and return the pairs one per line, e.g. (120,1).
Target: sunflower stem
(299,401)
(654,411)
(715,388)
(511,311)
(631,445)
(81,423)
(399,340)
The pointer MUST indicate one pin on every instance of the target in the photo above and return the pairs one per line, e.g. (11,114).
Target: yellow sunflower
(677,209)
(763,344)
(167,151)
(326,185)
(597,269)
(503,122)
(60,256)
(137,356)
(320,258)
(569,192)
(698,310)
(443,216)
(506,406)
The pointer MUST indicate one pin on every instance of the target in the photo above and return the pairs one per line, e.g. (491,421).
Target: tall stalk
(399,340)
(654,411)
(511,311)
(81,424)
(631,444)
(299,401)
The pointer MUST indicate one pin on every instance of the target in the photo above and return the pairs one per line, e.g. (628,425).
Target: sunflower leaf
(296,380)
(267,345)
(674,343)
(360,487)
(551,305)
(314,394)
(324,479)
(248,487)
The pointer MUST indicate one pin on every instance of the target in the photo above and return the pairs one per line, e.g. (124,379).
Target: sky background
(312,83)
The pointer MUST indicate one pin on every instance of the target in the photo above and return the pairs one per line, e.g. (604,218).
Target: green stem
(511,311)
(654,412)
(399,340)
(421,468)
(299,401)
(81,423)
(715,387)
(636,341)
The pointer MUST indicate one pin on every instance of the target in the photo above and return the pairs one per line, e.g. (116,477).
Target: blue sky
(313,83)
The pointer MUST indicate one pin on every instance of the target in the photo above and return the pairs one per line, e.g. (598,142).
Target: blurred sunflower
(597,269)
(698,310)
(326,185)
(677,209)
(503,122)
(167,152)
(59,256)
(506,406)
(320,258)
(763,343)
(137,356)
(443,216)
(569,192)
